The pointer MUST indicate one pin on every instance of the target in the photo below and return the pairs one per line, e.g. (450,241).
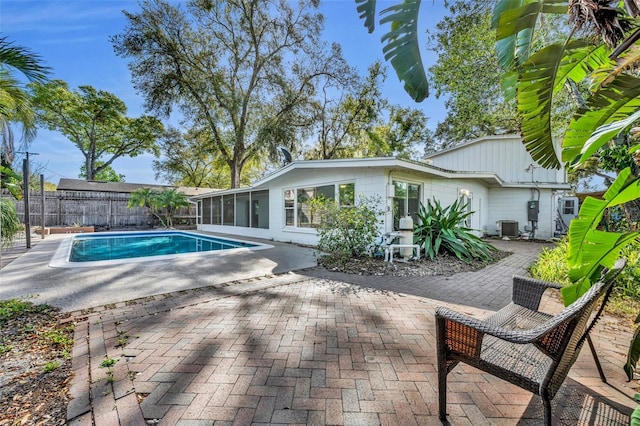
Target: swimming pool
(125,247)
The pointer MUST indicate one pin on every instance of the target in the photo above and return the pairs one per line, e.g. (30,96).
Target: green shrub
(552,265)
(439,228)
(9,222)
(347,231)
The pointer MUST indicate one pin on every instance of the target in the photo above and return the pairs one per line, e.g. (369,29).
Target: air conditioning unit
(507,228)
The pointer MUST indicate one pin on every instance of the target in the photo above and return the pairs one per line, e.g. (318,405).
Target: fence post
(42,220)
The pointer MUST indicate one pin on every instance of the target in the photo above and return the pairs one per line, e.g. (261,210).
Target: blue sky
(72,37)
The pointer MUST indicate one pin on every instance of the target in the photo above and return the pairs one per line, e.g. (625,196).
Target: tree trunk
(236,171)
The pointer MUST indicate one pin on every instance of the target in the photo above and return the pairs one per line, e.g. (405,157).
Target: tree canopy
(188,159)
(467,73)
(95,122)
(243,72)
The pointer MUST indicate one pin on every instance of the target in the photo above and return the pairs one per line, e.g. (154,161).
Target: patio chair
(520,344)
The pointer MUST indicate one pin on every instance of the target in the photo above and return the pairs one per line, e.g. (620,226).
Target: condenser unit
(508,228)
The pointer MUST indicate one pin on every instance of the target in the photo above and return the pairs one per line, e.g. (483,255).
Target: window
(206,211)
(464,199)
(569,207)
(216,210)
(406,201)
(346,195)
(260,209)
(228,216)
(242,209)
(289,207)
(306,218)
(297,202)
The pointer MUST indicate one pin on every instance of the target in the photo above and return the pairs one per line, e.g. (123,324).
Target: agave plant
(442,228)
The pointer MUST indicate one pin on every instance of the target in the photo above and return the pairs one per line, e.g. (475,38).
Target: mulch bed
(35,367)
(445,264)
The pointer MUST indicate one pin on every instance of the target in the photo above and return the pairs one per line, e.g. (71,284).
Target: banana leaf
(590,249)
(632,356)
(402,48)
(613,104)
(514,22)
(367,11)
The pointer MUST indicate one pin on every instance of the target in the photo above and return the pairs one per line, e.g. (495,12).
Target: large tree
(189,160)
(343,117)
(96,122)
(242,70)
(467,73)
(360,122)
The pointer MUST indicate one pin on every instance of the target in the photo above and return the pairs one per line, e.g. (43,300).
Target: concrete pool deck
(71,289)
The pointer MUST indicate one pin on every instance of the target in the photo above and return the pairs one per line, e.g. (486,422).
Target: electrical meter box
(533,207)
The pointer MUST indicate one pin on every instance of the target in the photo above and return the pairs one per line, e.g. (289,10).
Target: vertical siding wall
(101,209)
(506,156)
(511,204)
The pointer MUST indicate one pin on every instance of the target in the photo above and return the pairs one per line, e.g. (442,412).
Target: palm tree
(15,101)
(171,200)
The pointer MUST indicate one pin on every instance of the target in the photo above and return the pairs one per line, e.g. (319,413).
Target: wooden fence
(103,210)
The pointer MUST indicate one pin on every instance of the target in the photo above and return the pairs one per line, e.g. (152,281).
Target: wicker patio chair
(519,344)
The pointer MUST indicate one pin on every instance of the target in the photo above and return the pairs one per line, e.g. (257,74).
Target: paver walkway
(298,348)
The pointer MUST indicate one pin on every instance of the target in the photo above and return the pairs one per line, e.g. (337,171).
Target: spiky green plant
(441,228)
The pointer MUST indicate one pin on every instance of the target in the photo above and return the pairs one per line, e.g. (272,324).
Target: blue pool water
(112,246)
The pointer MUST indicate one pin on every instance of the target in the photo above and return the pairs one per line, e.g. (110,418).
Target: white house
(488,173)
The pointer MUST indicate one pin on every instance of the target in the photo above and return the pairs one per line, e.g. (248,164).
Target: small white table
(388,251)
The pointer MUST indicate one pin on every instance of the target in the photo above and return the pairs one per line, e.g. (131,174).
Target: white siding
(504,155)
(511,204)
(369,182)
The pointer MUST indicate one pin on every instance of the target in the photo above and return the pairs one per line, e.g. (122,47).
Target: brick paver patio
(294,349)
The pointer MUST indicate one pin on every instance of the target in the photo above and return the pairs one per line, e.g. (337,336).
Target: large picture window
(297,202)
(406,201)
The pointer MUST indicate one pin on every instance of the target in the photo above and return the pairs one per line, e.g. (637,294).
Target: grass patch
(13,308)
(51,366)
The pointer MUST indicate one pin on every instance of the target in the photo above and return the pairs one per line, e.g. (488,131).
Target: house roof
(391,163)
(124,187)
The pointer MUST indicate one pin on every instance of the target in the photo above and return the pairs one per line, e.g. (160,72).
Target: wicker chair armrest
(528,292)
(480,327)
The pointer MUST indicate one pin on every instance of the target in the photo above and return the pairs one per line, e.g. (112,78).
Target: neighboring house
(66,184)
(488,173)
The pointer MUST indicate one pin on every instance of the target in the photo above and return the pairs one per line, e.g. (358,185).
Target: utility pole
(25,183)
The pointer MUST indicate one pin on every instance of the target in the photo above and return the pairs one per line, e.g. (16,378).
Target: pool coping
(60,258)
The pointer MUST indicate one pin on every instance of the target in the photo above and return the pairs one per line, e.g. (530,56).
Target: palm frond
(23,60)
(402,48)
(615,103)
(514,22)
(367,11)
